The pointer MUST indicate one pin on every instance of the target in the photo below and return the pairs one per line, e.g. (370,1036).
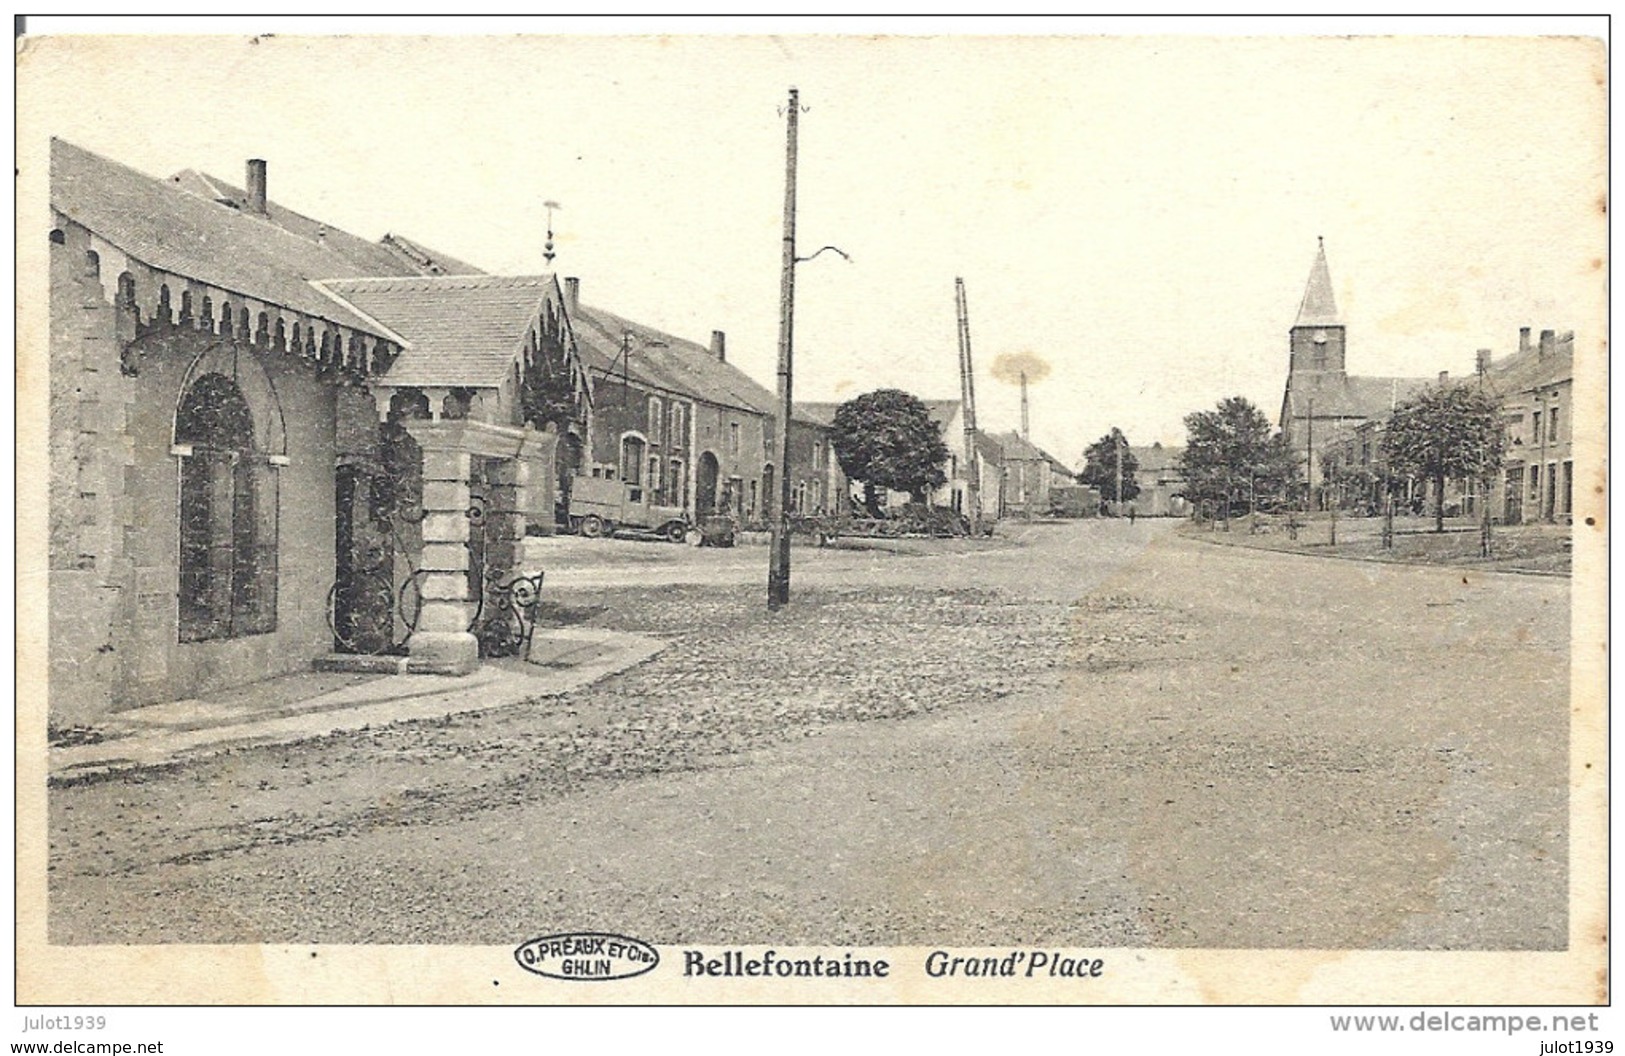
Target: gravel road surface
(1091,734)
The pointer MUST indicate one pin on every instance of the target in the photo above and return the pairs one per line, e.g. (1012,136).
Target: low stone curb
(178,737)
(1379,560)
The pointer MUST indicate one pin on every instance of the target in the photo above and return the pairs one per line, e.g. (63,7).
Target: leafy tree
(1444,432)
(886,439)
(1100,466)
(1231,455)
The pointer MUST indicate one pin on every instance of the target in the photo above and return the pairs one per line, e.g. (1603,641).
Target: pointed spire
(1318,307)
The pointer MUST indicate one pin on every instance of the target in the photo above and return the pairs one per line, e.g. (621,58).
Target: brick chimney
(256,187)
(1482,364)
(719,345)
(1523,339)
(572,293)
(1548,343)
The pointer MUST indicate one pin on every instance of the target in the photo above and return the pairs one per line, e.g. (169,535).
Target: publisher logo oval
(587,956)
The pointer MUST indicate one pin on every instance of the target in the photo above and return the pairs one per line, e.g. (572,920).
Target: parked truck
(600,507)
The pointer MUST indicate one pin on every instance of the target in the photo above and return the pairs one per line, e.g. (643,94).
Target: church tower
(1318,336)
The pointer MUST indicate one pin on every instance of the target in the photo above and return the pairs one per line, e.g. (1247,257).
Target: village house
(954,494)
(270,438)
(1534,392)
(1030,473)
(680,427)
(1161,481)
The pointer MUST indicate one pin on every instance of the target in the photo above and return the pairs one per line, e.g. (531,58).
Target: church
(1322,400)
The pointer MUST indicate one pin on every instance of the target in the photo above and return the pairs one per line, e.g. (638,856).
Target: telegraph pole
(967,386)
(778,570)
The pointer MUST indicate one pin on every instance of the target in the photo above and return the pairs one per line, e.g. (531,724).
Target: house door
(567,463)
(373,603)
(705,486)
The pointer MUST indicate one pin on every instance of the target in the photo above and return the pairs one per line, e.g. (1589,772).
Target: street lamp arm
(837,249)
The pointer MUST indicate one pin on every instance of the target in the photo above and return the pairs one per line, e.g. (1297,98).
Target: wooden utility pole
(778,569)
(967,388)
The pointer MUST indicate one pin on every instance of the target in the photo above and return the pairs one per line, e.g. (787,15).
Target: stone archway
(705,486)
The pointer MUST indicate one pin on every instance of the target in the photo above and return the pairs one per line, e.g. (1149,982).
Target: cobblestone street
(1102,734)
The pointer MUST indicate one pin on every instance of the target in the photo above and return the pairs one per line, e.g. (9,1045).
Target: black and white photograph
(719,513)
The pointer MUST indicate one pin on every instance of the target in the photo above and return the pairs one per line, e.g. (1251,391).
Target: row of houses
(1013,477)
(271,438)
(1533,389)
(1332,417)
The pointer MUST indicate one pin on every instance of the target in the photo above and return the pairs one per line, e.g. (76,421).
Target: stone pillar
(442,644)
(504,519)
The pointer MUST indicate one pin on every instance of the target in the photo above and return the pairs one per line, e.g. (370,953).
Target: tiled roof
(432,261)
(816,413)
(462,330)
(1318,307)
(1526,370)
(168,228)
(1349,397)
(941,411)
(390,255)
(1018,450)
(823,412)
(1156,457)
(988,447)
(663,361)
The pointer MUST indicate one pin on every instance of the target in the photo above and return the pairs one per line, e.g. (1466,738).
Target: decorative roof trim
(161,297)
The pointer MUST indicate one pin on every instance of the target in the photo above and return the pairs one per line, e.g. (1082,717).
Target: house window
(654,419)
(228,517)
(1536,430)
(1552,426)
(733,439)
(678,436)
(654,474)
(679,482)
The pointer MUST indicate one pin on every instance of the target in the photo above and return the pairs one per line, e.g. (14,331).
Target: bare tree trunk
(1438,502)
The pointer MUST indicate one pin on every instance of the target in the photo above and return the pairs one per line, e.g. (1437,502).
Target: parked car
(602,507)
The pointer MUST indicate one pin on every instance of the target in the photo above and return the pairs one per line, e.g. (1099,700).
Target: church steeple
(1317,335)
(1319,307)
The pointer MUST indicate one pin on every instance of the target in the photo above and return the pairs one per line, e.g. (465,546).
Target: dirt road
(1105,735)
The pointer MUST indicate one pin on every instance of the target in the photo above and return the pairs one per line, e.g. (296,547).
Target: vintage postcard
(930,518)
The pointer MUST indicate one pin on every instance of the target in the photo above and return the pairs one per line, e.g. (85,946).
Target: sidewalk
(313,704)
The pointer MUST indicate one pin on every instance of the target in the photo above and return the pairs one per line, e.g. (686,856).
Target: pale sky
(1138,212)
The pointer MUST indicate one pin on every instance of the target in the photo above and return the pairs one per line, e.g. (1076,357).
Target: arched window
(228,516)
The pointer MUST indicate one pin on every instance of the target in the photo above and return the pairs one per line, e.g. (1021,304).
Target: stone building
(955,492)
(1535,389)
(1322,399)
(678,424)
(270,437)
(1029,472)
(1161,480)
